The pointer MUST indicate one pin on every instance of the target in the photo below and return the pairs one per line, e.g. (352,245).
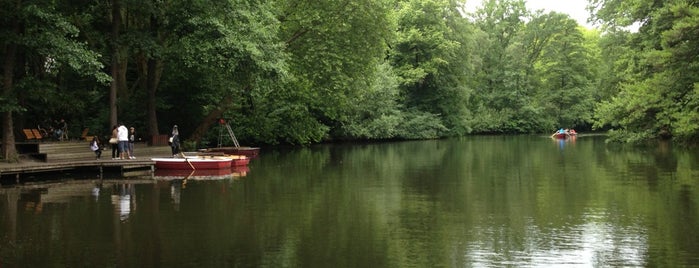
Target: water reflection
(176,193)
(562,142)
(470,202)
(178,179)
(202,174)
(124,199)
(594,243)
(96,191)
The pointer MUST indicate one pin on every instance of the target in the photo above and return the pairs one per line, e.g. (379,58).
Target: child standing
(132,139)
(95,147)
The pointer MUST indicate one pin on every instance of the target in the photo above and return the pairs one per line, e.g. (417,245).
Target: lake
(480,201)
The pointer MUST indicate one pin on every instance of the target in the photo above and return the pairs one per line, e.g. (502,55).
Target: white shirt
(122,133)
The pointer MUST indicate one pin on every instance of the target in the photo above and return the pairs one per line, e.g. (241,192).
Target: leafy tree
(227,55)
(661,99)
(39,44)
(334,48)
(431,59)
(299,71)
(566,73)
(501,83)
(534,75)
(377,113)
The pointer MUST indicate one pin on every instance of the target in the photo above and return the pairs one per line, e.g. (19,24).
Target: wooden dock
(54,157)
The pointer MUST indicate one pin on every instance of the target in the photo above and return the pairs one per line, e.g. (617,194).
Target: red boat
(250,152)
(564,135)
(193,163)
(239,160)
(560,135)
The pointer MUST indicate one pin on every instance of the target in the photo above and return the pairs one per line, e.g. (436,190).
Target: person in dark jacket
(175,141)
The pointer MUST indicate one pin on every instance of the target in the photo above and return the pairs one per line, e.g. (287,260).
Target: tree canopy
(301,72)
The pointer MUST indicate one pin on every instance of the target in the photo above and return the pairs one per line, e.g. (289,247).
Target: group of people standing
(122,141)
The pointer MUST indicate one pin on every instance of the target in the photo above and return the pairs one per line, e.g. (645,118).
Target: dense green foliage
(653,78)
(300,72)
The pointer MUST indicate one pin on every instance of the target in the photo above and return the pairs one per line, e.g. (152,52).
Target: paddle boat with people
(564,133)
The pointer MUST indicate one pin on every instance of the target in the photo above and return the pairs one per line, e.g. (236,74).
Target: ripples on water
(592,244)
(472,202)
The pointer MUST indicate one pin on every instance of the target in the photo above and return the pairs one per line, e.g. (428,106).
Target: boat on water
(237,160)
(193,163)
(236,149)
(250,152)
(564,134)
(560,136)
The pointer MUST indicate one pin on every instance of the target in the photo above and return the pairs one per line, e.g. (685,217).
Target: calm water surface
(517,201)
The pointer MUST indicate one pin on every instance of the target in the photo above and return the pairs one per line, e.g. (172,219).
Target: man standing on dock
(123,139)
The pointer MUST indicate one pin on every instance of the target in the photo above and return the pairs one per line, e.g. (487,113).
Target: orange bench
(37,134)
(28,134)
(32,134)
(84,136)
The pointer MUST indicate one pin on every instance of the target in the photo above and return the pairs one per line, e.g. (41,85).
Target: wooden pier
(54,157)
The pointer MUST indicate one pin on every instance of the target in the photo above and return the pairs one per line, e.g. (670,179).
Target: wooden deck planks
(62,156)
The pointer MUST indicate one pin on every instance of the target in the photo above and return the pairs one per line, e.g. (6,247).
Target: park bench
(28,134)
(84,136)
(32,134)
(30,149)
(37,134)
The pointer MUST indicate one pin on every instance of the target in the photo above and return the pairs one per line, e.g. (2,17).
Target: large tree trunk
(211,118)
(154,72)
(9,152)
(114,86)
